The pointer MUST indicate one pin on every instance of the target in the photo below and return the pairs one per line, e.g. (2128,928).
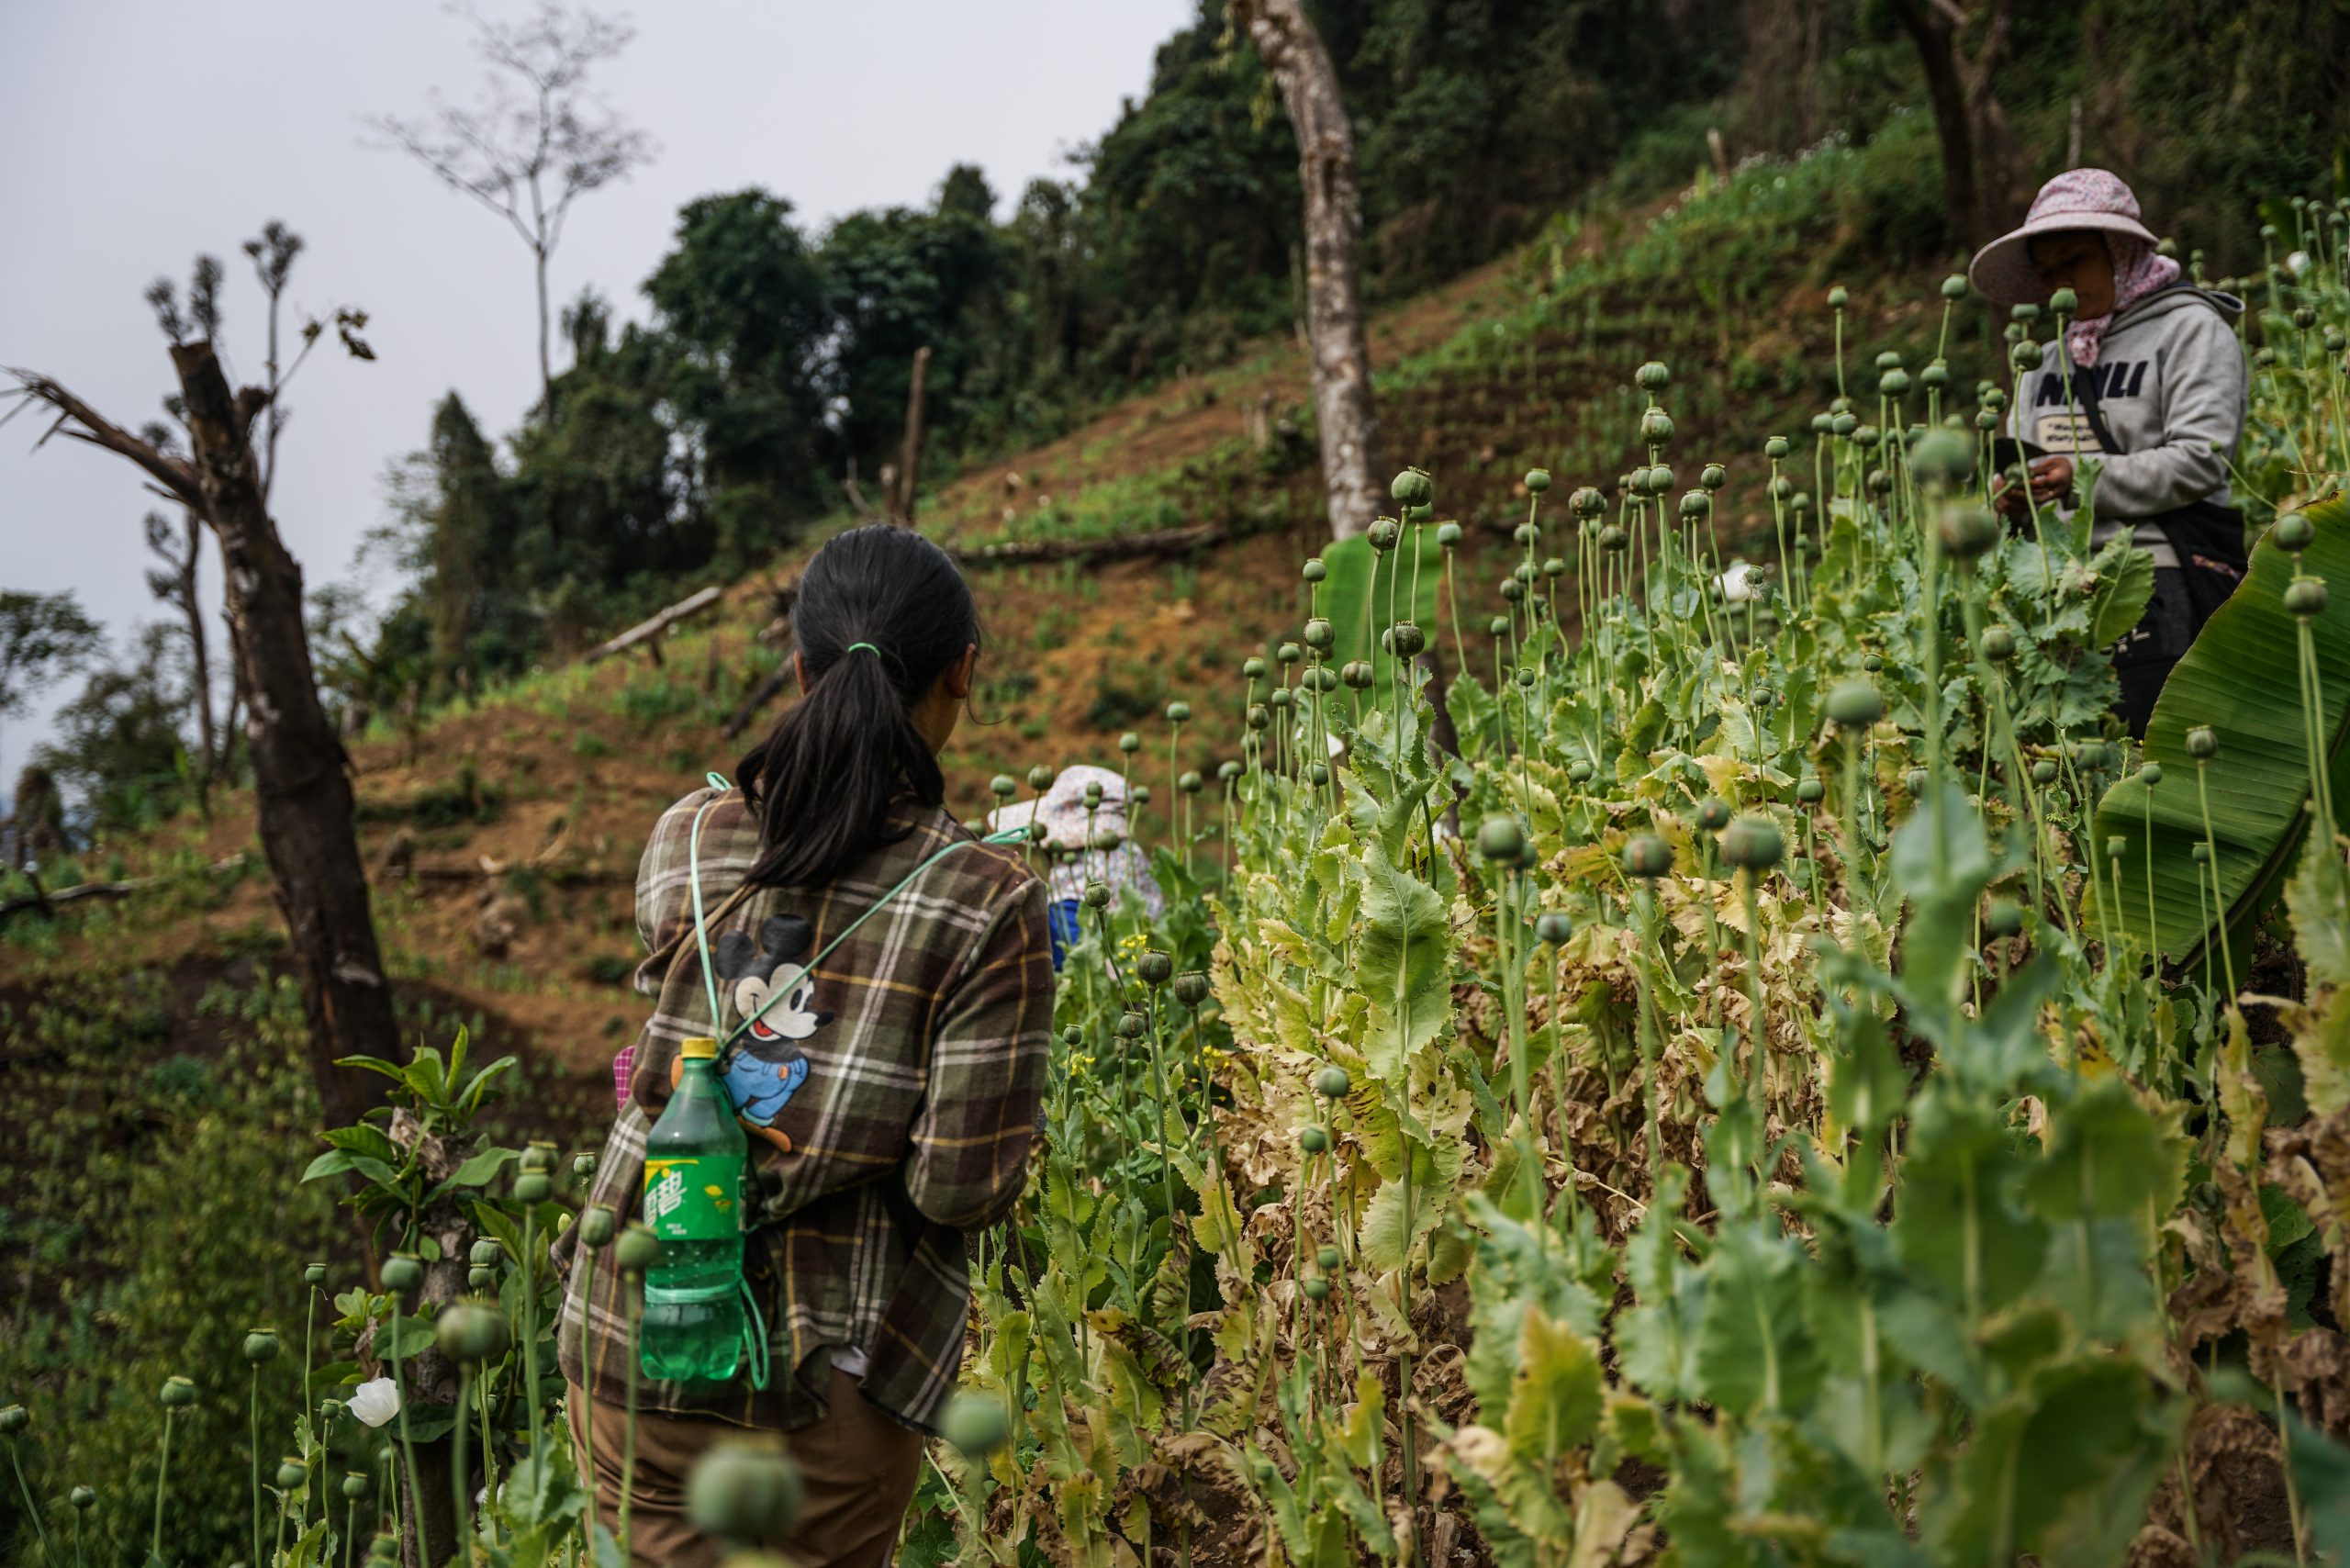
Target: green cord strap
(701,932)
(755,1336)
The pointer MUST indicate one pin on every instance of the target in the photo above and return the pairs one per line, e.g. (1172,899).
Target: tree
(536,140)
(303,788)
(176,586)
(1961,51)
(118,745)
(43,636)
(1348,424)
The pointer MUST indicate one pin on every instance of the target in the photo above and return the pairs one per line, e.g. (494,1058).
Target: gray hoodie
(2171,383)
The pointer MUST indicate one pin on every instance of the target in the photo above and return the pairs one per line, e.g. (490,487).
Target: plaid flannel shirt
(922,1096)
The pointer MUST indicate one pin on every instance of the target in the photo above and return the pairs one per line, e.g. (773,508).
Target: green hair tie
(867,646)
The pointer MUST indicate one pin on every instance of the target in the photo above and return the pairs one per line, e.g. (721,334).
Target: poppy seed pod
(1753,843)
(1327,1258)
(1332,1083)
(1844,423)
(1288,653)
(1713,815)
(1313,1141)
(1696,505)
(1809,791)
(1316,1288)
(1838,297)
(468,1332)
(1498,626)
(1659,480)
(1447,534)
(637,1249)
(1612,538)
(2044,772)
(1967,531)
(745,1491)
(1538,480)
(291,1472)
(596,1225)
(1656,426)
(1500,838)
(2304,318)
(1894,383)
(315,1275)
(261,1345)
(484,1253)
(583,1166)
(2202,743)
(2004,918)
(481,1280)
(1096,895)
(1513,591)
(1319,634)
(1132,1026)
(14,1419)
(1155,967)
(2305,598)
(1578,770)
(1525,534)
(1191,988)
(1915,781)
(177,1394)
(1987,419)
(1405,640)
(1317,774)
(1412,487)
(1226,772)
(2151,773)
(1587,502)
(1646,855)
(1040,778)
(1854,704)
(1935,377)
(354,1486)
(1191,783)
(2293,532)
(1279,698)
(1525,677)
(2026,312)
(1998,644)
(1871,663)
(2064,302)
(1178,712)
(2025,355)
(1776,448)
(1955,286)
(1822,424)
(84,1498)
(402,1273)
(1552,927)
(532,1187)
(1356,674)
(1313,571)
(1382,534)
(1130,742)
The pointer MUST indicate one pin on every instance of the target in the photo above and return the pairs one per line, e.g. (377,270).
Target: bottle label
(693,1199)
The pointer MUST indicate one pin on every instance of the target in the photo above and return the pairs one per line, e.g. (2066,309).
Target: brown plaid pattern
(913,1125)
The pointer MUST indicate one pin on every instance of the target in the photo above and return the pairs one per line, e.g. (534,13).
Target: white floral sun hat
(2002,272)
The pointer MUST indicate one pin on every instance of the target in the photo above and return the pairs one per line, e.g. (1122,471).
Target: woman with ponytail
(898,999)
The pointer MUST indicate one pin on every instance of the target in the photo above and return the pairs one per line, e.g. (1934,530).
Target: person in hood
(2148,381)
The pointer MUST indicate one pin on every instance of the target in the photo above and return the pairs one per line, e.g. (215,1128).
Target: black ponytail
(823,781)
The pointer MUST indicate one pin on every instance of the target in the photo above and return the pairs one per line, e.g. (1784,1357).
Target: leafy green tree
(119,748)
(742,307)
(43,636)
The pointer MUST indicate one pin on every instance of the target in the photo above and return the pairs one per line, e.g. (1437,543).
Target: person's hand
(2052,480)
(2008,497)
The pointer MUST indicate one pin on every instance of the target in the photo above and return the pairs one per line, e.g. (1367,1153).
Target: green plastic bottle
(693,1202)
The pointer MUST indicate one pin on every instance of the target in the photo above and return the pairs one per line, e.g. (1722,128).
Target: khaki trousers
(859,1467)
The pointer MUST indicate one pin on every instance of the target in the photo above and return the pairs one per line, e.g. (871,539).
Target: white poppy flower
(375,1401)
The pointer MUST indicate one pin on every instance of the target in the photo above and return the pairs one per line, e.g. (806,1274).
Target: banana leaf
(1356,570)
(2242,680)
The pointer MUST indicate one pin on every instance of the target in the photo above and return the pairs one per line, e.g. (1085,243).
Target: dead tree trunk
(177,587)
(909,459)
(1292,52)
(1960,53)
(300,784)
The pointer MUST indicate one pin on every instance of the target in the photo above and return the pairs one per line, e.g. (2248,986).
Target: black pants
(2145,655)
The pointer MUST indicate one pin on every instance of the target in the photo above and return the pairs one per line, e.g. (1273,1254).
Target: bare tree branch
(84,423)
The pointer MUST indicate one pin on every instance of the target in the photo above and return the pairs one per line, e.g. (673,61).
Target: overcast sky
(143,133)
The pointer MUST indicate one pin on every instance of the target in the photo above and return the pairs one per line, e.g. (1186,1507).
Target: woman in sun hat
(1089,843)
(2156,395)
